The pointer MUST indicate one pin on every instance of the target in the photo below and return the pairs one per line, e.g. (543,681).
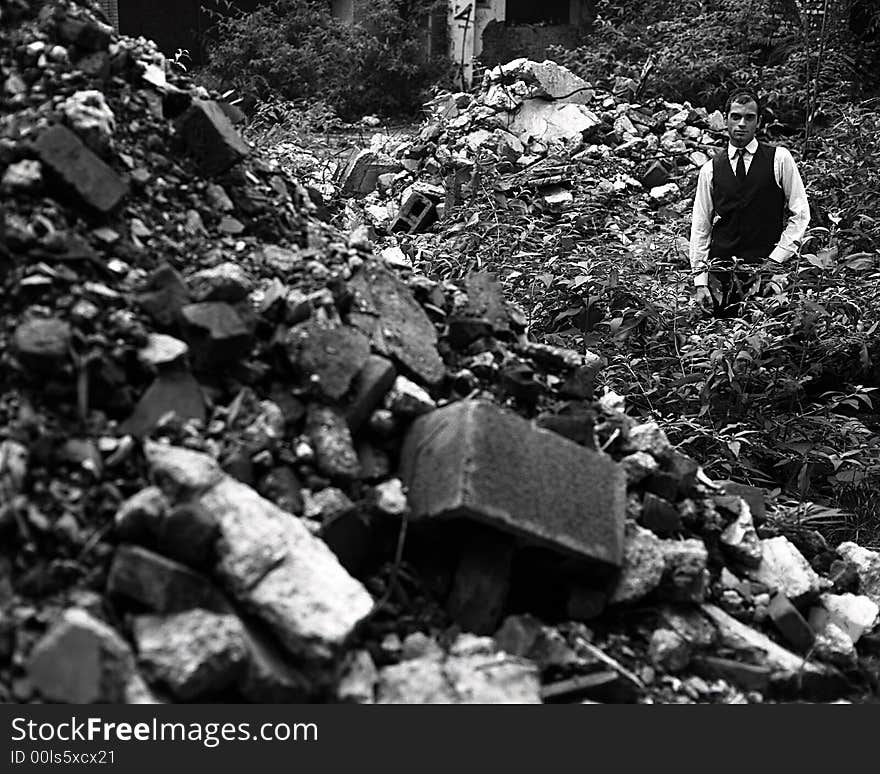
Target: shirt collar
(751,148)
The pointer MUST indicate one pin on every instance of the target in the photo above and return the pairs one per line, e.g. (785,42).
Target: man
(750,206)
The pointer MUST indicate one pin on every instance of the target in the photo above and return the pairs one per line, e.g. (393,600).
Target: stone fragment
(172,392)
(868,565)
(481,678)
(331,439)
(642,568)
(87,34)
(368,389)
(194,653)
(76,171)
(549,490)
(655,175)
(42,344)
(362,170)
(407,399)
(278,570)
(669,651)
(179,472)
(81,660)
(268,677)
(390,497)
(638,466)
(659,515)
(216,333)
(784,569)
(790,623)
(282,487)
(22,177)
(138,518)
(329,356)
(162,350)
(89,115)
(648,438)
(740,538)
(484,312)
(835,646)
(210,137)
(164,295)
(357,684)
(384,308)
(685,577)
(853,613)
(159,584)
(227,282)
(538,119)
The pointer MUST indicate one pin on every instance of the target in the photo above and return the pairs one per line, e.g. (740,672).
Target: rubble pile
(243,458)
(551,137)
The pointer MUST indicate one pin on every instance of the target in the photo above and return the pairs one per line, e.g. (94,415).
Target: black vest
(750,215)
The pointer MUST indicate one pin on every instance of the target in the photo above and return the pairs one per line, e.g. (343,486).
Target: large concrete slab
(472,459)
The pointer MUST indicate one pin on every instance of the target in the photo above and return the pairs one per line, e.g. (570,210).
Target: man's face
(742,123)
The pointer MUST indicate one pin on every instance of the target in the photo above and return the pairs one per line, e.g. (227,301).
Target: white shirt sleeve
(701,226)
(789,180)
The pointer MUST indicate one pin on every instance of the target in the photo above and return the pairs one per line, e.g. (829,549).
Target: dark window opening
(530,12)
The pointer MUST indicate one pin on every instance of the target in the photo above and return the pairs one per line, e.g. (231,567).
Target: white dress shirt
(787,178)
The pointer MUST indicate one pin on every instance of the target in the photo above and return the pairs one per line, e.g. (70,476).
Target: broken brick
(77,171)
(329,356)
(211,138)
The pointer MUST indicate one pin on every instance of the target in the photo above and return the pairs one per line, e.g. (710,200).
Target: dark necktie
(741,164)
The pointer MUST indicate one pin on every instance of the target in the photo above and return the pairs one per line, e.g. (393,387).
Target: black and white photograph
(431,352)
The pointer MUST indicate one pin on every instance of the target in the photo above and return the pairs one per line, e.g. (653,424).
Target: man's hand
(703,298)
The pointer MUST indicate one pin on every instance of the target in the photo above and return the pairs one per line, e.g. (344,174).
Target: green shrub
(295,49)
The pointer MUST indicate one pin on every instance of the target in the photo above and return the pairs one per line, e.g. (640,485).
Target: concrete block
(472,459)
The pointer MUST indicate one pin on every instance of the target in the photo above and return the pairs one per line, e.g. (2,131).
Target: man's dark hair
(741,97)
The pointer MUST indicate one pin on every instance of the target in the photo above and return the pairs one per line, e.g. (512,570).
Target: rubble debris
(81,660)
(784,569)
(76,170)
(210,137)
(193,654)
(550,490)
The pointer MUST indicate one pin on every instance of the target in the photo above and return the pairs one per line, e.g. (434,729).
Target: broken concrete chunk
(159,584)
(216,333)
(42,345)
(227,282)
(78,172)
(638,466)
(210,137)
(790,623)
(329,356)
(464,679)
(370,386)
(642,568)
(194,654)
(550,490)
(483,313)
(384,308)
(740,539)
(685,577)
(855,614)
(649,438)
(669,651)
(331,440)
(361,172)
(162,350)
(272,564)
(164,295)
(784,569)
(868,564)
(659,515)
(81,660)
(180,472)
(407,399)
(172,392)
(357,685)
